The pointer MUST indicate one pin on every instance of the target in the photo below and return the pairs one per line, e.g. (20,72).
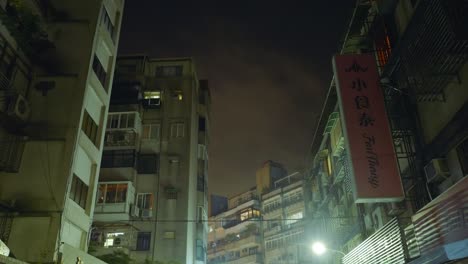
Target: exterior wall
(268,174)
(57,148)
(178,183)
(284,231)
(435,116)
(235,237)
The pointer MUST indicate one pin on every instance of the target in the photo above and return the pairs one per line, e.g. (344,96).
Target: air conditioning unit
(437,171)
(146,213)
(134,211)
(19,108)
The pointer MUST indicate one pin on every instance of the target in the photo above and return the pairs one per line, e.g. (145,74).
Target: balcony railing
(121,139)
(124,121)
(252,258)
(272,231)
(243,240)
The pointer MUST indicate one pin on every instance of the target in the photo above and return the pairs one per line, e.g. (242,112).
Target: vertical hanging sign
(367,133)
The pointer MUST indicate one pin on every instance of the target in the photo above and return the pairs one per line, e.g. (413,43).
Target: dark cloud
(268,71)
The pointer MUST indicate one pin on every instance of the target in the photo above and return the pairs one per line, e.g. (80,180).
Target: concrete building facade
(424,83)
(152,199)
(56,73)
(283,210)
(235,235)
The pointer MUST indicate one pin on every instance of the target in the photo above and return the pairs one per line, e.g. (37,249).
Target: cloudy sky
(268,68)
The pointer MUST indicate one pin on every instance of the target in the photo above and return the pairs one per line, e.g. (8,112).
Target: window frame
(79,192)
(177,130)
(144,201)
(143,241)
(151,135)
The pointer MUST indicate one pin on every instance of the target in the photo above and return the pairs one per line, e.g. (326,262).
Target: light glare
(319,248)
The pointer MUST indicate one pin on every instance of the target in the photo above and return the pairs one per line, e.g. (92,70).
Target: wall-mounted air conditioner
(134,211)
(19,108)
(146,213)
(436,171)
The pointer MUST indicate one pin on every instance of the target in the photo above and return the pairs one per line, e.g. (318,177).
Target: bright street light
(318,248)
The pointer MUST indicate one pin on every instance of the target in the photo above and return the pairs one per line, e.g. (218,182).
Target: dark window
(200,184)
(462,151)
(200,250)
(106,21)
(169,71)
(147,163)
(90,128)
(99,71)
(79,191)
(143,241)
(118,159)
(201,124)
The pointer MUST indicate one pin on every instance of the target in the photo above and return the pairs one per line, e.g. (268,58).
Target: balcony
(121,140)
(115,201)
(118,165)
(337,139)
(253,258)
(272,208)
(246,239)
(339,170)
(272,231)
(124,121)
(105,239)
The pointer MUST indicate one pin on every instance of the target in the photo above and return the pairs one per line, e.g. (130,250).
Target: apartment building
(283,210)
(235,235)
(57,61)
(424,84)
(152,196)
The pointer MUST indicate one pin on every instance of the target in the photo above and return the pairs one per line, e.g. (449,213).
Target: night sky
(268,68)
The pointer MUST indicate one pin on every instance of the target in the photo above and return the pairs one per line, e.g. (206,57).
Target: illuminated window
(249,214)
(113,239)
(112,193)
(291,219)
(152,98)
(152,95)
(145,201)
(177,95)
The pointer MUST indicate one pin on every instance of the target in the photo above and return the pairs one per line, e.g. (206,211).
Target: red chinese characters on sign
(367,132)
